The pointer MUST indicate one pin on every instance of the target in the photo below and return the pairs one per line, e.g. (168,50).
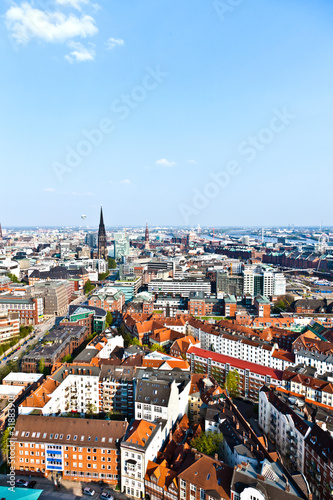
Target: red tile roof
(236,363)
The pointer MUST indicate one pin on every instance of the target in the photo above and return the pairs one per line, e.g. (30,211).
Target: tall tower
(147,236)
(102,250)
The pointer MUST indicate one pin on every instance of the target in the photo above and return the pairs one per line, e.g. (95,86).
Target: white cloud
(165,163)
(80,53)
(123,181)
(111,43)
(193,162)
(26,23)
(49,190)
(76,4)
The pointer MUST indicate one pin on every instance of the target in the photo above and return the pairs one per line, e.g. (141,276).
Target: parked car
(21,483)
(106,496)
(89,492)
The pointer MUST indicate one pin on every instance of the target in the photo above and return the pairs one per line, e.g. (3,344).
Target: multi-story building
(162,396)
(58,343)
(183,287)
(252,376)
(206,478)
(9,326)
(30,310)
(321,362)
(284,426)
(319,463)
(117,390)
(71,388)
(263,306)
(108,298)
(229,284)
(72,448)
(141,444)
(55,296)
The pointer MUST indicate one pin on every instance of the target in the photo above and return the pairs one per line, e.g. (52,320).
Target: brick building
(73,448)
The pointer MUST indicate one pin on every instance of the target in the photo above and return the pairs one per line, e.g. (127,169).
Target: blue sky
(141,106)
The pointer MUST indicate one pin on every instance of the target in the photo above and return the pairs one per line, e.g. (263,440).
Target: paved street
(69,490)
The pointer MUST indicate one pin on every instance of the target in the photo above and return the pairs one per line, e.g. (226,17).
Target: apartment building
(205,479)
(71,388)
(108,298)
(284,426)
(30,310)
(117,390)
(182,287)
(319,463)
(303,382)
(252,375)
(71,448)
(9,326)
(321,362)
(162,395)
(142,442)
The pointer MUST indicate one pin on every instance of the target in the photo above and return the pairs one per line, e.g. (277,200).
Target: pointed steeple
(102,243)
(147,236)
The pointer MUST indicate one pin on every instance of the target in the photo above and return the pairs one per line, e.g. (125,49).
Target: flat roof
(22,377)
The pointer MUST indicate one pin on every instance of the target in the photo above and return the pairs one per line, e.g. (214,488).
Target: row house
(72,448)
(117,390)
(180,346)
(321,362)
(299,382)
(205,479)
(162,396)
(252,375)
(160,482)
(284,426)
(319,463)
(142,442)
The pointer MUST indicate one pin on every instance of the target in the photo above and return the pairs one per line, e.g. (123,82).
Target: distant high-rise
(147,236)
(102,246)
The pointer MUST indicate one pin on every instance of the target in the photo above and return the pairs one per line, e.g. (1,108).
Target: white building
(142,442)
(284,426)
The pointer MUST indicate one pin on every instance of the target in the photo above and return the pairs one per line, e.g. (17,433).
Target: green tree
(158,347)
(103,276)
(232,383)
(41,365)
(111,263)
(88,287)
(13,278)
(108,319)
(207,443)
(67,359)
(91,409)
(135,341)
(5,442)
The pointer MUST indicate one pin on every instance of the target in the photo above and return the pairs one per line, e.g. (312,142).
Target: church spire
(102,243)
(147,236)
